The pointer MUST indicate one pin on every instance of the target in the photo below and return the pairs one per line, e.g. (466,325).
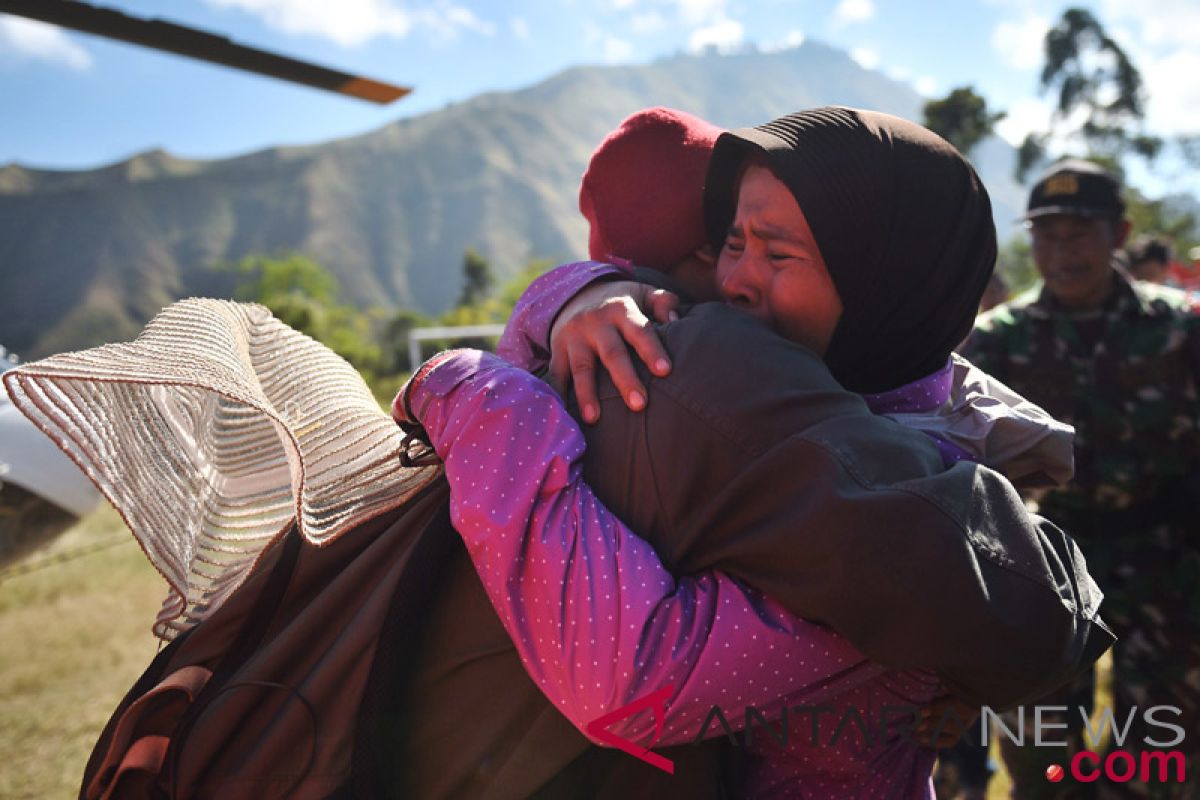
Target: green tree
(393,339)
(961,118)
(1014,262)
(305,295)
(1156,217)
(1189,148)
(264,279)
(1100,96)
(487,308)
(477,279)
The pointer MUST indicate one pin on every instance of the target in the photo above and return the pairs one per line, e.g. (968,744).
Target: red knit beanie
(643,191)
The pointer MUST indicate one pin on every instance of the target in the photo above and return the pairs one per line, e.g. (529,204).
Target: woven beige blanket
(211,433)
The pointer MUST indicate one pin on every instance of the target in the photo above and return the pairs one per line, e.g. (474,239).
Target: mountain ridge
(90,255)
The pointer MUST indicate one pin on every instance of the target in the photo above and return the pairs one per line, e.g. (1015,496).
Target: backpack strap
(150,719)
(382,719)
(253,628)
(148,680)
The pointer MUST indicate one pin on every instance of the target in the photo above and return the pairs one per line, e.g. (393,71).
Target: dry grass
(75,634)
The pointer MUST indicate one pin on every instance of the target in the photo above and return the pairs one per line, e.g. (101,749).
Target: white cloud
(454,18)
(41,41)
(1162,43)
(650,22)
(1160,38)
(519,27)
(1166,24)
(926,86)
(615,49)
(849,12)
(354,22)
(708,21)
(611,48)
(699,12)
(724,34)
(347,23)
(1173,92)
(793,38)
(1022,117)
(865,57)
(1020,43)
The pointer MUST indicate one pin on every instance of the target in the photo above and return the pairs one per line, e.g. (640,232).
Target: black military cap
(1076,187)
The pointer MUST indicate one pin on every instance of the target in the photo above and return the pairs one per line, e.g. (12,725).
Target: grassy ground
(75,635)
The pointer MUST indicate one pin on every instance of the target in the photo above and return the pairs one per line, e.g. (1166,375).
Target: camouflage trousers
(1151,583)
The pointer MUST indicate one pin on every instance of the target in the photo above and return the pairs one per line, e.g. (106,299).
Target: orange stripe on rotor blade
(375,91)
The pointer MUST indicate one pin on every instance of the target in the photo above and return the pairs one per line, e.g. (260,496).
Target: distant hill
(90,256)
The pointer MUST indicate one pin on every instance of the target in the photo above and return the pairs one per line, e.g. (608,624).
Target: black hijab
(902,220)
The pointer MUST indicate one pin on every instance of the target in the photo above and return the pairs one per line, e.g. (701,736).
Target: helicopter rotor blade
(194,43)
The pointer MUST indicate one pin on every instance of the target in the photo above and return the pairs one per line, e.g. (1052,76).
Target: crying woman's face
(771,267)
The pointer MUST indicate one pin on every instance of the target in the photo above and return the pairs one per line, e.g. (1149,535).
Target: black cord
(62,558)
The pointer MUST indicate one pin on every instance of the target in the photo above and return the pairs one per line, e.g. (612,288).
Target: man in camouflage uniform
(1119,360)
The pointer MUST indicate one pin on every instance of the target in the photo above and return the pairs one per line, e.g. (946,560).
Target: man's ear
(696,274)
(705,254)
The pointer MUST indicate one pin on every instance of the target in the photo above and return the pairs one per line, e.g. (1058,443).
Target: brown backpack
(273,693)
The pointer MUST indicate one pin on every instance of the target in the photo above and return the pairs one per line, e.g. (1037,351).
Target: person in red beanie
(474,414)
(643,197)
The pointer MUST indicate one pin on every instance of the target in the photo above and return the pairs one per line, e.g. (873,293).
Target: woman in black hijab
(901,219)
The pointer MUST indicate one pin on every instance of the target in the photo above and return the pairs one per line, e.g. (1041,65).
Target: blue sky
(73,100)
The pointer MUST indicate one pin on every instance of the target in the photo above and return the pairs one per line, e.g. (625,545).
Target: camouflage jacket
(1125,376)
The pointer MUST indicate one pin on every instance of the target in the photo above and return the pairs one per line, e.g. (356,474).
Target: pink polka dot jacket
(600,622)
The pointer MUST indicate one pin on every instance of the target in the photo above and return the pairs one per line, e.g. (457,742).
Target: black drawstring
(415,448)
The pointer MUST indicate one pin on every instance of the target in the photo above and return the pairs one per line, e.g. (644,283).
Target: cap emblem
(1062,184)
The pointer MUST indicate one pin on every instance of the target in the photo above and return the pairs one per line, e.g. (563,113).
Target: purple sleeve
(526,339)
(596,618)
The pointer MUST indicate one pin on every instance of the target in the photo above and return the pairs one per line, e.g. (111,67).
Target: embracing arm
(526,339)
(597,619)
(844,517)
(578,313)
(752,460)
